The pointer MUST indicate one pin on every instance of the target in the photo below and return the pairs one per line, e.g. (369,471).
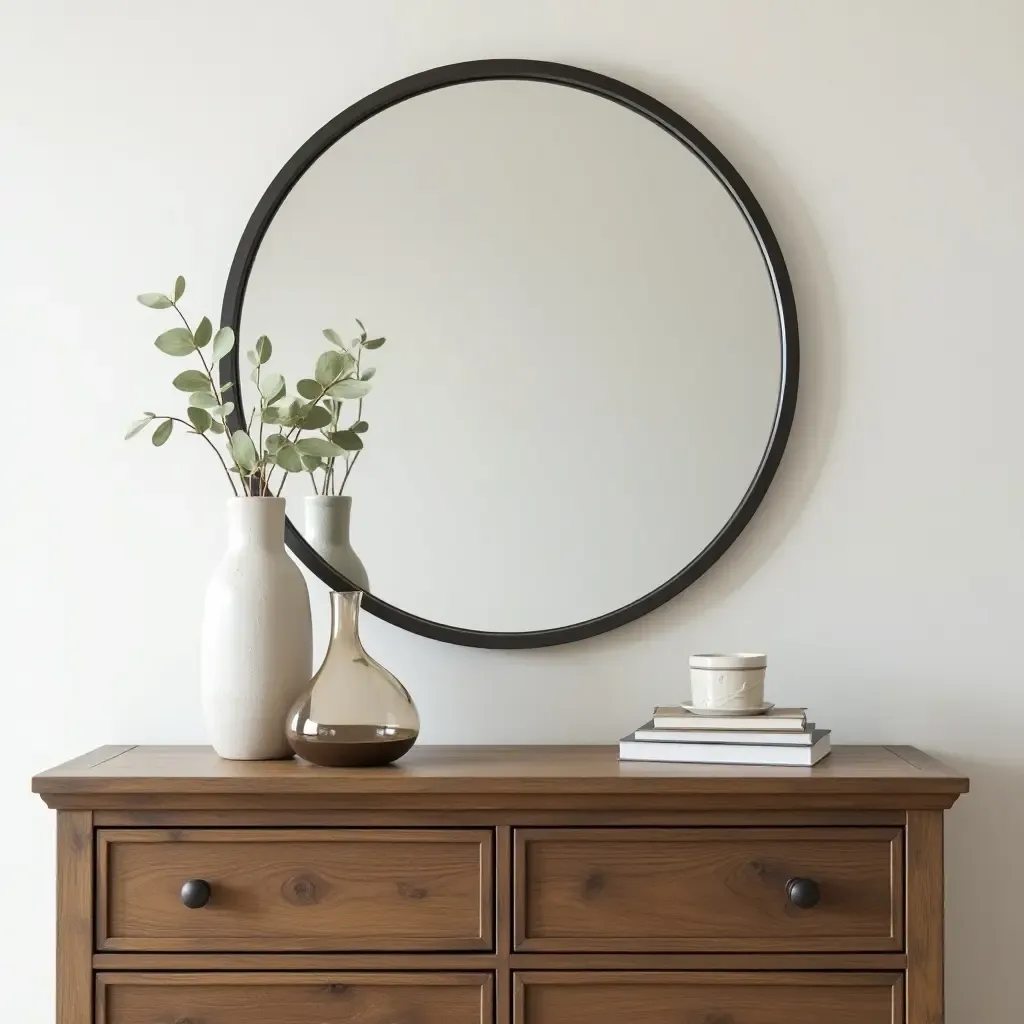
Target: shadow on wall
(985,896)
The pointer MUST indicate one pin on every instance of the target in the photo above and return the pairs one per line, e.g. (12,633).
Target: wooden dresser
(514,885)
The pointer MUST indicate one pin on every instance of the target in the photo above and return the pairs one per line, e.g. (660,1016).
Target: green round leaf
(203,400)
(223,343)
(350,389)
(362,329)
(162,432)
(372,343)
(192,380)
(274,443)
(313,417)
(334,338)
(289,411)
(288,458)
(319,446)
(359,427)
(176,342)
(272,414)
(310,463)
(309,389)
(138,425)
(329,367)
(222,412)
(200,419)
(271,386)
(243,451)
(216,428)
(179,288)
(253,358)
(155,300)
(204,332)
(368,373)
(347,439)
(263,349)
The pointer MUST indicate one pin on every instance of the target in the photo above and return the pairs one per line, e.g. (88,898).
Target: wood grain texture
(707,998)
(659,890)
(300,998)
(925,904)
(494,962)
(534,885)
(409,818)
(278,890)
(484,777)
(199,961)
(74,917)
(503,923)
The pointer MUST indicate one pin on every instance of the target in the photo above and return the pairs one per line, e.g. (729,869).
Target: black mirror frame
(684,132)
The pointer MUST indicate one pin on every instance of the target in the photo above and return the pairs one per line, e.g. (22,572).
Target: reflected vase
(327,521)
(355,712)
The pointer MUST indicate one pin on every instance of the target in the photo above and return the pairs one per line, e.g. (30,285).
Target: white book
(650,734)
(768,754)
(773,720)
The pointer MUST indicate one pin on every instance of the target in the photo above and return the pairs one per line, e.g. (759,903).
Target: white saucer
(728,712)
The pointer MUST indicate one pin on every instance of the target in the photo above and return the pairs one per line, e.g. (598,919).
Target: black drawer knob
(195,893)
(803,892)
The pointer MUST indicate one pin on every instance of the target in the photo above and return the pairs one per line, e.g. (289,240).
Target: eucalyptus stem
(220,400)
(220,458)
(313,478)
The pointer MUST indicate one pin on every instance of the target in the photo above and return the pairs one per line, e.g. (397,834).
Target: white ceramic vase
(326,529)
(257,636)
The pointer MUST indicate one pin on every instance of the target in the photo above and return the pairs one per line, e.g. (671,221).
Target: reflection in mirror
(583,361)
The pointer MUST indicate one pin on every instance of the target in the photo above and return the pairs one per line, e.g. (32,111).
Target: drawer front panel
(707,998)
(295,890)
(707,890)
(293,998)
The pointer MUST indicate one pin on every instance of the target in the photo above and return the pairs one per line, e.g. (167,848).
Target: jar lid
(734,661)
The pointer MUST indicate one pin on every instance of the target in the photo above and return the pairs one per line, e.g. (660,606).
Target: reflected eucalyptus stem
(344,479)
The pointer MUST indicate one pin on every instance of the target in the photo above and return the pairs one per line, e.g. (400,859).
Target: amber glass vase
(355,712)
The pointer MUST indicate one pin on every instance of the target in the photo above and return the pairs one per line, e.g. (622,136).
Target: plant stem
(313,478)
(344,479)
(220,458)
(220,397)
(359,362)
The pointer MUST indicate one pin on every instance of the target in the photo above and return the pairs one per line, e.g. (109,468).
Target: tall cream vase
(257,636)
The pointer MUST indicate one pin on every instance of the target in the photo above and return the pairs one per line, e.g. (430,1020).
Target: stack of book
(780,737)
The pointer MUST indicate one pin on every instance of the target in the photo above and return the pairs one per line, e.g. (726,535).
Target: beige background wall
(883,573)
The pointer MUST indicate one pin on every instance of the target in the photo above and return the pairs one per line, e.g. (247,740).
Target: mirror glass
(583,354)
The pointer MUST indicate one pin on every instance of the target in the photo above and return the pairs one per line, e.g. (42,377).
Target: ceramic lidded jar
(355,712)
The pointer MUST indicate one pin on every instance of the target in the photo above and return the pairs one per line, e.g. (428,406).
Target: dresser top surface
(492,770)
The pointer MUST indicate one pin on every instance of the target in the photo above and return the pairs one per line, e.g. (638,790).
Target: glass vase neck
(345,605)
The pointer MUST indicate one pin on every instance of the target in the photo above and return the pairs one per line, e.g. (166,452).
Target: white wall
(884,572)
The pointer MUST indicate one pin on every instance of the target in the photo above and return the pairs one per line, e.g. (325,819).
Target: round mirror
(589,363)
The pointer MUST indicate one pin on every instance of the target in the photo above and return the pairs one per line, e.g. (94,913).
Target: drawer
(270,998)
(295,889)
(680,997)
(707,890)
